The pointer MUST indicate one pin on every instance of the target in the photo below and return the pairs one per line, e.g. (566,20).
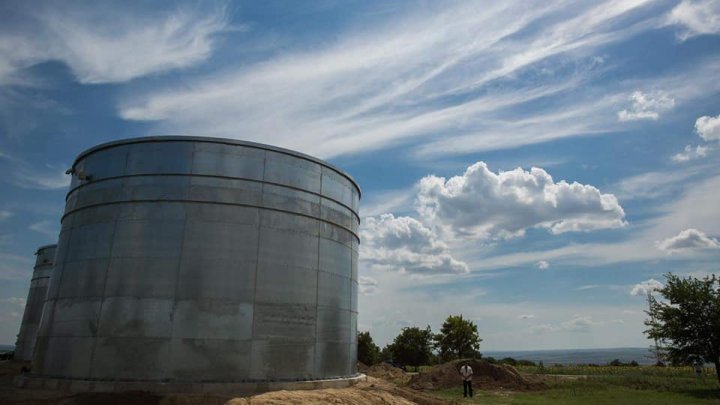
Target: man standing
(466,373)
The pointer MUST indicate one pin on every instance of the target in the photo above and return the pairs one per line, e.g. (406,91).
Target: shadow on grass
(703,393)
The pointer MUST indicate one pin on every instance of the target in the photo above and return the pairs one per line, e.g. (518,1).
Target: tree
(413,346)
(688,324)
(458,338)
(368,351)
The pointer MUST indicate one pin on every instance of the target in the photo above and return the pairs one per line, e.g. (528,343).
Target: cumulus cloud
(484,204)
(407,245)
(691,153)
(696,18)
(102,48)
(542,265)
(646,106)
(689,239)
(368,285)
(708,128)
(645,287)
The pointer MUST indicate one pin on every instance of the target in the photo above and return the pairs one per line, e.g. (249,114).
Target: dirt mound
(372,391)
(485,376)
(387,372)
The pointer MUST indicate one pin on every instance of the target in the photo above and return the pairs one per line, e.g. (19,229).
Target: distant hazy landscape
(559,356)
(578,356)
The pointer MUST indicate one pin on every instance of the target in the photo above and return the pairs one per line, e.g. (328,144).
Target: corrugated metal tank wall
(35,300)
(203,259)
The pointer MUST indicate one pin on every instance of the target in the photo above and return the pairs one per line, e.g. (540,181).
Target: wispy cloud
(691,153)
(367,285)
(101,47)
(15,267)
(42,178)
(47,228)
(458,70)
(5,215)
(14,300)
(39,176)
(696,17)
(646,106)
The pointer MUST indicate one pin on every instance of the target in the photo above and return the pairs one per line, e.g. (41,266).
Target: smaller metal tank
(35,301)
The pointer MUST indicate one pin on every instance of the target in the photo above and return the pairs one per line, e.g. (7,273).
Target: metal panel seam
(217,203)
(91,182)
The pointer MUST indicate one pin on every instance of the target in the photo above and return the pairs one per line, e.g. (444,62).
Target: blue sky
(535,168)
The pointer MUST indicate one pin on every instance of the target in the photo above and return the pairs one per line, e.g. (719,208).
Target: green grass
(639,385)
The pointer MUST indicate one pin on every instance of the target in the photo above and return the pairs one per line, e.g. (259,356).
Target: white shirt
(466,372)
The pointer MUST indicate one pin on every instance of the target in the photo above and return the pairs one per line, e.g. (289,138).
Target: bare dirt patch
(485,376)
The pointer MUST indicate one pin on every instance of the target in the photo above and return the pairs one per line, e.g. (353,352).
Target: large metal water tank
(185,263)
(35,300)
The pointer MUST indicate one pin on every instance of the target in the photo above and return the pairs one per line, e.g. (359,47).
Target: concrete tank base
(235,388)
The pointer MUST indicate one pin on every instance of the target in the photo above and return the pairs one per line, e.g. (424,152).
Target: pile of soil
(485,376)
(342,396)
(386,372)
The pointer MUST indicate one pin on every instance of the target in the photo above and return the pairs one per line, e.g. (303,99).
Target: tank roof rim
(43,247)
(228,141)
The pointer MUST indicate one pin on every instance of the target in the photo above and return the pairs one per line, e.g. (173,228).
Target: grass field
(606,385)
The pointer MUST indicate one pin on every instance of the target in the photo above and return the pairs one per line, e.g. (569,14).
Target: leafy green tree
(413,346)
(509,360)
(688,324)
(368,351)
(458,338)
(386,353)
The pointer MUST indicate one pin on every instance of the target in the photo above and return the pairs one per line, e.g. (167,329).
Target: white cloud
(526,316)
(14,266)
(578,324)
(48,228)
(689,239)
(102,47)
(708,128)
(49,178)
(483,204)
(646,106)
(14,300)
(587,287)
(542,265)
(645,287)
(40,177)
(5,215)
(666,183)
(696,18)
(404,244)
(691,153)
(368,285)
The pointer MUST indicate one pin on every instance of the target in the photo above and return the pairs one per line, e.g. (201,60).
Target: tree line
(686,322)
(458,338)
